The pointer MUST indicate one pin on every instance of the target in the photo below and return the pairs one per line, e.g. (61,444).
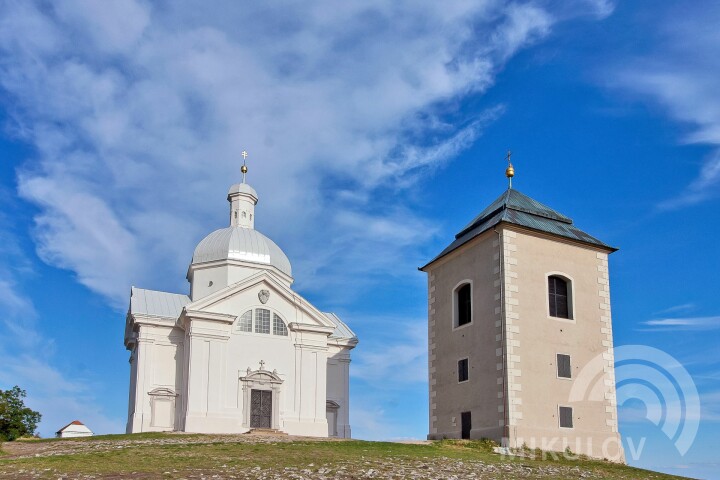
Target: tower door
(466,421)
(260,409)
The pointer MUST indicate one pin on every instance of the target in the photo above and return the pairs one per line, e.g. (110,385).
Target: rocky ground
(278,457)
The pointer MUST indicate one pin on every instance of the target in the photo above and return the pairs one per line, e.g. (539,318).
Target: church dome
(242,188)
(244,244)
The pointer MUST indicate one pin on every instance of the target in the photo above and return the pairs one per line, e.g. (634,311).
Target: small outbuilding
(74,429)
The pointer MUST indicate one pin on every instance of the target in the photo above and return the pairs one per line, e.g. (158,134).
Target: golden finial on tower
(244,169)
(510,170)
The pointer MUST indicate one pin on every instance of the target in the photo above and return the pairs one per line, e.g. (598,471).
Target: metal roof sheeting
(159,304)
(341,328)
(518,209)
(239,243)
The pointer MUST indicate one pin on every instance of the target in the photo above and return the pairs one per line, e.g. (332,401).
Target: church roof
(517,208)
(245,244)
(155,303)
(341,329)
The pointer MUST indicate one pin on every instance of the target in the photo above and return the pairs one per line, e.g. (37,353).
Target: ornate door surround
(263,381)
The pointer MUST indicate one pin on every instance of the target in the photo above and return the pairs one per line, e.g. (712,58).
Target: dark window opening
(558,297)
(563,366)
(466,423)
(566,420)
(464,305)
(463,370)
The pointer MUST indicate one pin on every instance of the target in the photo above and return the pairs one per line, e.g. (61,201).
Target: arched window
(262,320)
(279,327)
(463,305)
(559,297)
(245,322)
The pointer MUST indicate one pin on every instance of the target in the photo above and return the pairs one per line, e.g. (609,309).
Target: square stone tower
(520,333)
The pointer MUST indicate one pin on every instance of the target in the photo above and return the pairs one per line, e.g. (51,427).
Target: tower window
(245,322)
(262,320)
(566,417)
(279,327)
(463,373)
(559,297)
(463,305)
(563,366)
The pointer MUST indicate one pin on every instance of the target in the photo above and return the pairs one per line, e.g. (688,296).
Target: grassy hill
(187,456)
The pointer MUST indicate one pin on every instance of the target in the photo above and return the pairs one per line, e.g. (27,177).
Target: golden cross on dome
(510,170)
(244,168)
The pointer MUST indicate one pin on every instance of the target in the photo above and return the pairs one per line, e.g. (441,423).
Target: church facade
(518,305)
(242,350)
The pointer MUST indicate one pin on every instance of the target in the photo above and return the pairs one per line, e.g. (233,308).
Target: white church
(243,351)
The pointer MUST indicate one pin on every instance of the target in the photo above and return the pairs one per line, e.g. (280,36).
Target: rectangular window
(262,320)
(563,366)
(463,370)
(566,417)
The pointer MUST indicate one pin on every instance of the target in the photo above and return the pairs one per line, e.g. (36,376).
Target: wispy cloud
(680,75)
(28,358)
(676,308)
(138,112)
(690,323)
(395,361)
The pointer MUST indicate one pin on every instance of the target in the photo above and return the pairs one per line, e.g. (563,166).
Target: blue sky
(376,131)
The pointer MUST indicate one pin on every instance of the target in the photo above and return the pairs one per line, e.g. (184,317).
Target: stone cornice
(209,316)
(348,343)
(220,263)
(309,327)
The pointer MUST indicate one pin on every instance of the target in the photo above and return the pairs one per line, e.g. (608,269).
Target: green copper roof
(518,209)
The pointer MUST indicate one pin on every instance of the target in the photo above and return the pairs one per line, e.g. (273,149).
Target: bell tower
(518,305)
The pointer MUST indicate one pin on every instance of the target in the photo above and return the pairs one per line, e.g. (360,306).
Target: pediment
(264,286)
(261,376)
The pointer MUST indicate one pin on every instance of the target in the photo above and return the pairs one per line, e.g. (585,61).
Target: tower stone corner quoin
(518,305)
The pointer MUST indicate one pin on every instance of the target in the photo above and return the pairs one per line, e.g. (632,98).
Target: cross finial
(262,364)
(510,170)
(244,168)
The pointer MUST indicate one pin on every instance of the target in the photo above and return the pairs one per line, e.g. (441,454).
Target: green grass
(154,460)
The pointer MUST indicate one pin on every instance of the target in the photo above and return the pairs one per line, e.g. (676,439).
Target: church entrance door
(260,409)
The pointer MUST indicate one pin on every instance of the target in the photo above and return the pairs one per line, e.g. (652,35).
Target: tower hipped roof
(516,208)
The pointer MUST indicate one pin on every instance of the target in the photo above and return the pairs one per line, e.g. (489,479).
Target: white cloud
(677,308)
(58,398)
(680,75)
(394,362)
(138,112)
(690,323)
(27,361)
